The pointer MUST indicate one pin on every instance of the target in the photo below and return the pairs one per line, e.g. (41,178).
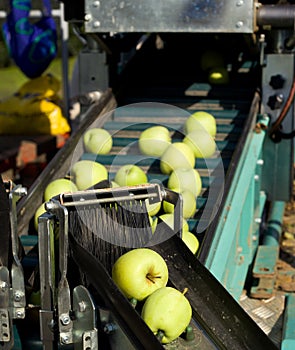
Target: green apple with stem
(167,312)
(139,272)
(154,140)
(189,204)
(191,241)
(177,155)
(201,142)
(200,120)
(97,141)
(87,173)
(130,175)
(58,186)
(185,179)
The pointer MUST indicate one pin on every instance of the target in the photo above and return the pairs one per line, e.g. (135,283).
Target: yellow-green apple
(139,272)
(154,140)
(97,141)
(189,204)
(87,173)
(185,179)
(168,218)
(218,76)
(57,187)
(130,175)
(201,142)
(40,210)
(199,121)
(152,208)
(177,155)
(167,312)
(191,241)
(211,58)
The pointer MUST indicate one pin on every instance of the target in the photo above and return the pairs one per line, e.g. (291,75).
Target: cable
(284,111)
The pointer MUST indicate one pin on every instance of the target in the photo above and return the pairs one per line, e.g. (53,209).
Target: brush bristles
(107,231)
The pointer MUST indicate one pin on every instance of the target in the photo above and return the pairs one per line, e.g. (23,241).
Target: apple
(130,175)
(97,141)
(167,312)
(218,76)
(57,187)
(185,179)
(139,272)
(152,208)
(154,140)
(40,210)
(199,121)
(191,241)
(210,59)
(189,204)
(201,142)
(168,218)
(87,173)
(177,155)
(114,184)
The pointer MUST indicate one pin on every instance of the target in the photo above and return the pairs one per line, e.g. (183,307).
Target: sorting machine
(144,59)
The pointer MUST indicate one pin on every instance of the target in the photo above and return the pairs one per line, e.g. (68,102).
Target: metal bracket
(85,332)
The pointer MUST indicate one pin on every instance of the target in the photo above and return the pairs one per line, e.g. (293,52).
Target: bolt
(260,162)
(19,314)
(65,339)
(254,238)
(109,328)
(18,296)
(65,320)
(96,24)
(87,17)
(240,3)
(239,24)
(256,177)
(82,306)
(258,220)
(96,4)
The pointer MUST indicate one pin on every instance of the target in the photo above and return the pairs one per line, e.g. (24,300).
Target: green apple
(199,121)
(97,141)
(87,173)
(211,58)
(130,175)
(114,184)
(57,187)
(201,142)
(167,312)
(168,218)
(218,76)
(177,155)
(40,210)
(189,204)
(139,272)
(185,179)
(191,241)
(152,208)
(154,140)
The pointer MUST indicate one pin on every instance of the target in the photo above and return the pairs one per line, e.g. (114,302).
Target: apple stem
(160,335)
(151,278)
(185,291)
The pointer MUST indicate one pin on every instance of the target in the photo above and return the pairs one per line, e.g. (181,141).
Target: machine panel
(169,16)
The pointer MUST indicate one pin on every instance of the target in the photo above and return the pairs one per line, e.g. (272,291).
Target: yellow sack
(34,109)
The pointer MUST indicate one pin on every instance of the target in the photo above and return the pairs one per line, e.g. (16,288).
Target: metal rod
(274,226)
(277,16)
